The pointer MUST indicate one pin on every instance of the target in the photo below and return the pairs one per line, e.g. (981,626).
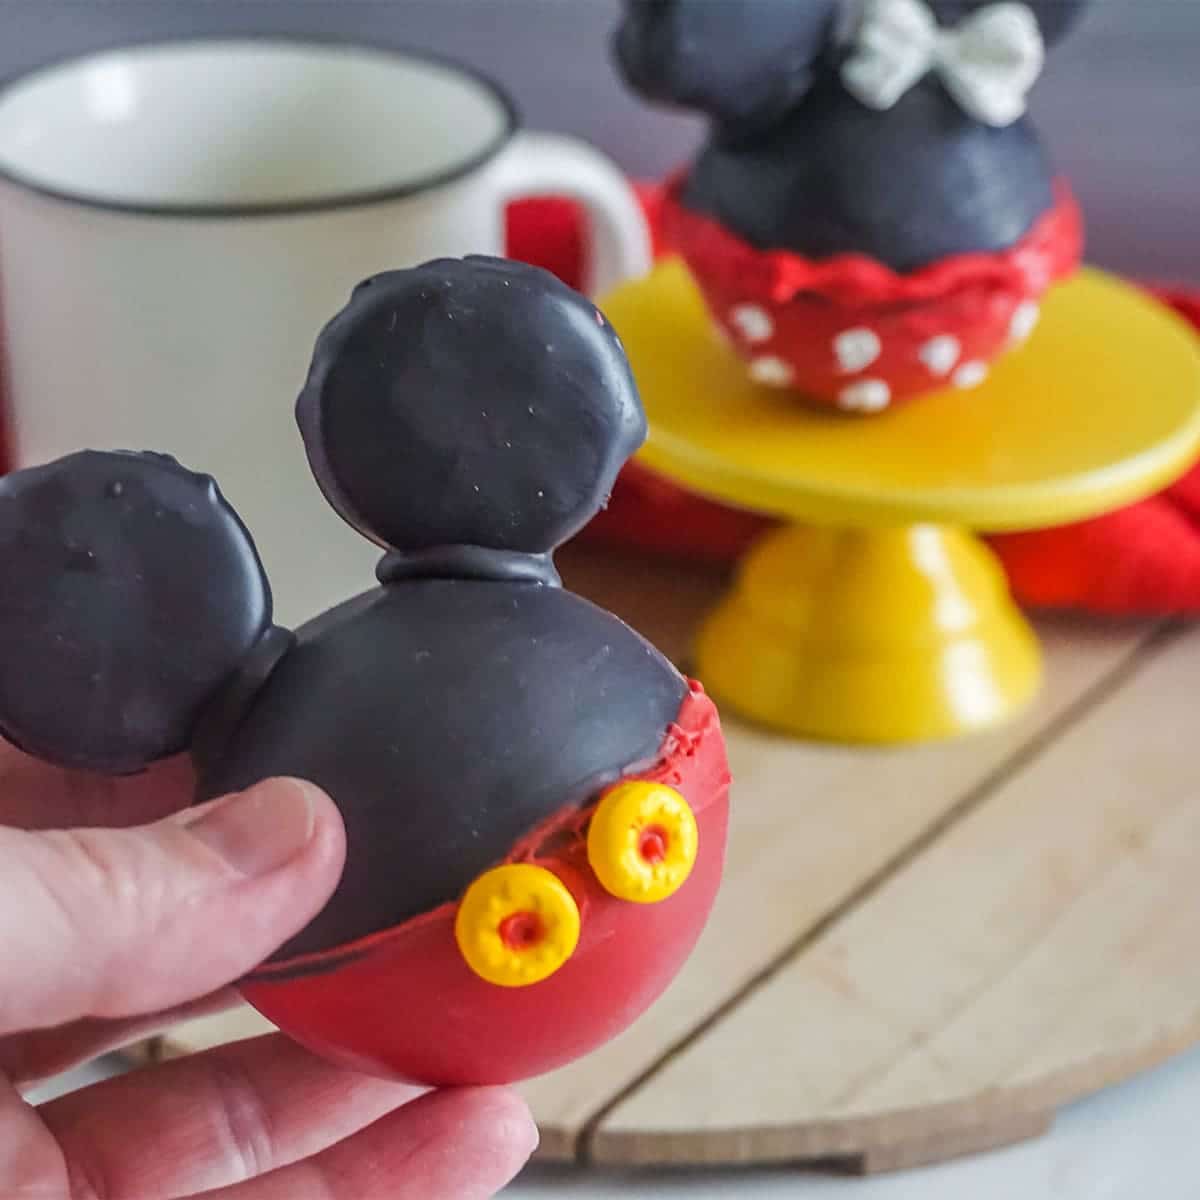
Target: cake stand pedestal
(876,614)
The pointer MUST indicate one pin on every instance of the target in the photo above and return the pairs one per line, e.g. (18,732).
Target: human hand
(122,911)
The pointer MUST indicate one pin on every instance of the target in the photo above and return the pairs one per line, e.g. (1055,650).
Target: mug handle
(549,164)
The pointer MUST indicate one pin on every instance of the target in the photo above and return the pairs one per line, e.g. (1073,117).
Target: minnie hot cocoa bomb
(872,217)
(535,800)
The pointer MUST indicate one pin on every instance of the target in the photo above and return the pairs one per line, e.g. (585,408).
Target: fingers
(29,1058)
(31,1164)
(213,1119)
(117,923)
(466,1144)
(35,795)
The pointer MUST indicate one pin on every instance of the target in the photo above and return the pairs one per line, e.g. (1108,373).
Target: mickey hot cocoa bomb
(535,799)
(873,217)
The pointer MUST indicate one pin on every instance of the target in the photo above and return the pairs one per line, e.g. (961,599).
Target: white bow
(988,63)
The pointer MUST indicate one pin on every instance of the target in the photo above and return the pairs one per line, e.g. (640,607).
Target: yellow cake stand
(883,618)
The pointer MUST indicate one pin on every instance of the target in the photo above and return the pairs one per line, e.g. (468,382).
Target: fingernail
(260,830)
(521,1127)
(535,1137)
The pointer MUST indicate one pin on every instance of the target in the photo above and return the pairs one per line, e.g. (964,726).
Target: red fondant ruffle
(1051,249)
(852,333)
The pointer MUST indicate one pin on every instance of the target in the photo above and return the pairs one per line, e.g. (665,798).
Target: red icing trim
(521,929)
(403,1003)
(719,254)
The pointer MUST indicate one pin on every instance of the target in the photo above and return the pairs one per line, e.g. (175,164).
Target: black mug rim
(353,198)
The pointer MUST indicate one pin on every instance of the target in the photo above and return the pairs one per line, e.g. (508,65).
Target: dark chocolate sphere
(448,718)
(470,415)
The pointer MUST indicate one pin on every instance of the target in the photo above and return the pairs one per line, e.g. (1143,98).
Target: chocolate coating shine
(469,402)
(448,718)
(131,591)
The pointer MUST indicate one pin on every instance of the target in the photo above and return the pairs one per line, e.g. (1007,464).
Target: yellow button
(642,841)
(516,925)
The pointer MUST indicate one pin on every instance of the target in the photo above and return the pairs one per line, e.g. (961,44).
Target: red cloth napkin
(1140,560)
(1144,559)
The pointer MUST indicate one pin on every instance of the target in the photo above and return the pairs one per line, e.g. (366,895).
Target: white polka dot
(772,371)
(970,374)
(1024,321)
(940,354)
(753,323)
(867,395)
(856,349)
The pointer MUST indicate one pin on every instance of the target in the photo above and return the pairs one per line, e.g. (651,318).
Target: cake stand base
(882,635)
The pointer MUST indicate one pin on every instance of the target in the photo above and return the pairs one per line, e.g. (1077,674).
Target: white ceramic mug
(178,221)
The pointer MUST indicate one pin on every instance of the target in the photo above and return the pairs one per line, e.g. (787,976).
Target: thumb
(120,922)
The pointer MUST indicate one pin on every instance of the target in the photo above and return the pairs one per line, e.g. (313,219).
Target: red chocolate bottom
(403,1003)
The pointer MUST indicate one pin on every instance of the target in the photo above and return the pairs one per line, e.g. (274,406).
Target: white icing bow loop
(987,63)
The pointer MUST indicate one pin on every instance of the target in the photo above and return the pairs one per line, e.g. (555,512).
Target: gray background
(1119,104)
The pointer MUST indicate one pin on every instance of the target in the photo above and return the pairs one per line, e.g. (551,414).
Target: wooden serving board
(917,953)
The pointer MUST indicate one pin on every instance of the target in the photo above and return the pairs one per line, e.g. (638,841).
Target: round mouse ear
(131,592)
(743,62)
(475,402)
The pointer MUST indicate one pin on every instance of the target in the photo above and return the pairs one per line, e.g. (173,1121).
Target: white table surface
(1140,1141)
